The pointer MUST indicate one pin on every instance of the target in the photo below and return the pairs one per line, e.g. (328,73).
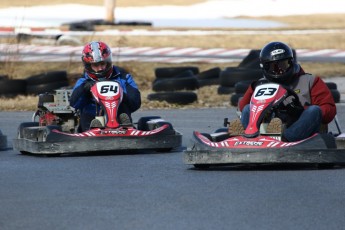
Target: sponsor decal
(277,51)
(248,143)
(114,132)
(109,98)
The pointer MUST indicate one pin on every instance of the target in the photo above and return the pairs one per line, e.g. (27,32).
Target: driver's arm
(322,96)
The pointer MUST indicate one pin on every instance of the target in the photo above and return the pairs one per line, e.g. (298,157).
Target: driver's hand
(290,99)
(293,106)
(87,85)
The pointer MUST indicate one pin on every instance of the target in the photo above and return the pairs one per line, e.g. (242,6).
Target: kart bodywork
(56,131)
(256,146)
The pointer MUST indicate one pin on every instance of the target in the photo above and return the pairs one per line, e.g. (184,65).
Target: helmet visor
(278,67)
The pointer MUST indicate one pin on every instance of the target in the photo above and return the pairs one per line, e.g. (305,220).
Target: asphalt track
(151,190)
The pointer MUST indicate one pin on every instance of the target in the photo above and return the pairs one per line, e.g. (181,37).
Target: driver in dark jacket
(97,60)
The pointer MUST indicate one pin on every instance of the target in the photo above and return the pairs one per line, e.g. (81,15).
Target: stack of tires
(175,85)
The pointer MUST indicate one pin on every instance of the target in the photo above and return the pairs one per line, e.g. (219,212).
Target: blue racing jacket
(84,102)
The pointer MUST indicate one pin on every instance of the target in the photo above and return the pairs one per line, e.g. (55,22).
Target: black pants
(86,118)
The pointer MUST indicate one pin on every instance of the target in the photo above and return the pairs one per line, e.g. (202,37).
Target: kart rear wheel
(142,122)
(325,166)
(201,166)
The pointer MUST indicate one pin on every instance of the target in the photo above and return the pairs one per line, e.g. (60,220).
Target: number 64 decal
(109,88)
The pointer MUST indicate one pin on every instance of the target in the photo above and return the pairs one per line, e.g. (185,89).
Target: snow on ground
(216,13)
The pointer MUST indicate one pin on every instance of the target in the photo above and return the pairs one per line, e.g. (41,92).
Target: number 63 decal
(265,92)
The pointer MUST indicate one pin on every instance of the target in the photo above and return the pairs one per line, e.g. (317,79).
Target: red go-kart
(54,127)
(256,146)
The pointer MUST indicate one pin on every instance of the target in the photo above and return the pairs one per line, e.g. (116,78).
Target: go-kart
(54,128)
(256,146)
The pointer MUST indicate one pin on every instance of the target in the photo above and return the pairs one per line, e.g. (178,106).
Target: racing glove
(87,85)
(293,106)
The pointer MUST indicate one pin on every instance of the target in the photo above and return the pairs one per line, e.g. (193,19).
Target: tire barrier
(225,90)
(235,98)
(208,77)
(33,85)
(168,72)
(183,81)
(181,98)
(89,25)
(169,80)
(231,76)
(12,88)
(46,82)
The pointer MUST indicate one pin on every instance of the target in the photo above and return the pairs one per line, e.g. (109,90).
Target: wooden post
(109,6)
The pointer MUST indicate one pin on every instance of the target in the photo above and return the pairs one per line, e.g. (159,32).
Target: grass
(144,72)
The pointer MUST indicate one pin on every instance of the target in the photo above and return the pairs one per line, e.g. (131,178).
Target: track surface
(157,191)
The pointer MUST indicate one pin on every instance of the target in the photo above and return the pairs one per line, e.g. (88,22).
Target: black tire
(184,74)
(230,77)
(202,166)
(171,84)
(12,88)
(207,82)
(45,88)
(181,98)
(234,99)
(209,74)
(142,122)
(331,85)
(242,86)
(168,72)
(336,95)
(51,76)
(225,90)
(81,26)
(251,60)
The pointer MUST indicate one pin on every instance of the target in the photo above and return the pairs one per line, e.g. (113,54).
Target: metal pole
(109,6)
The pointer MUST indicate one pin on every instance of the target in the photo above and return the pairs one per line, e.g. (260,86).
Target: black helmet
(278,63)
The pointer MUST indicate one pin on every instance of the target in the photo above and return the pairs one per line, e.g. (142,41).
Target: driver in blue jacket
(97,60)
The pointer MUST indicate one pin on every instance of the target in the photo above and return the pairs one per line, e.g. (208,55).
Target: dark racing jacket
(311,90)
(84,101)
